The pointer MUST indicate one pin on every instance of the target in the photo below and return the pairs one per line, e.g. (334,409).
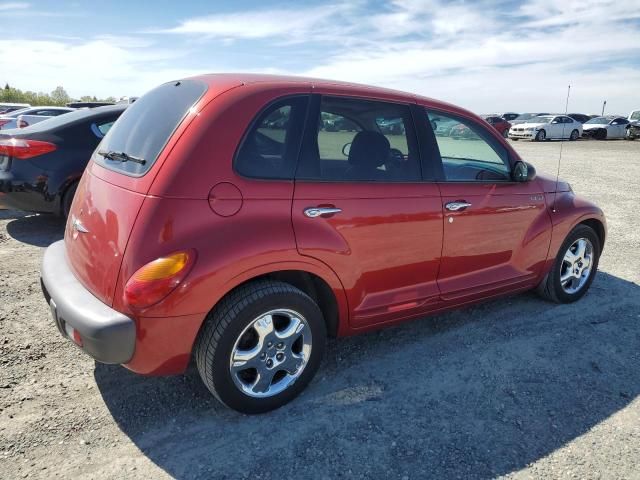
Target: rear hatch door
(113,188)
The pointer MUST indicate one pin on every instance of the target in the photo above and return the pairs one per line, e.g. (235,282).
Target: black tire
(551,288)
(225,324)
(574,135)
(541,136)
(515,139)
(67,198)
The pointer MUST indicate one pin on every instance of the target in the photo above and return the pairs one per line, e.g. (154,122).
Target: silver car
(29,116)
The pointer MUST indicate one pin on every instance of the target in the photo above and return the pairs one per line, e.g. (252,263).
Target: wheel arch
(322,286)
(598,227)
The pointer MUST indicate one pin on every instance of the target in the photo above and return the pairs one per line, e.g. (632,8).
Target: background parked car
(633,131)
(547,127)
(10,118)
(40,165)
(525,117)
(499,123)
(29,118)
(88,104)
(508,116)
(580,117)
(32,112)
(634,116)
(609,126)
(12,107)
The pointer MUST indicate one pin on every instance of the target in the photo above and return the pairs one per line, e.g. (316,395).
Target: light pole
(603,105)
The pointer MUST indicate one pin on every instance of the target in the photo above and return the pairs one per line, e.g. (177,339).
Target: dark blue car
(41,165)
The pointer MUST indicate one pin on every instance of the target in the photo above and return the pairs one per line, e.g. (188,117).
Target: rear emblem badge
(78,227)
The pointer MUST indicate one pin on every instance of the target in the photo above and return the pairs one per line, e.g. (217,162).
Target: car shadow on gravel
(475,393)
(34,229)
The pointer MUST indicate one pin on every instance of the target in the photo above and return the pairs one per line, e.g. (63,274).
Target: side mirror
(523,172)
(346,148)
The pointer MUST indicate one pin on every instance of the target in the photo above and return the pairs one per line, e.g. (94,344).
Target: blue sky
(485,56)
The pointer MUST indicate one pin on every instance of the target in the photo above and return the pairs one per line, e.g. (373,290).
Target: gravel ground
(517,387)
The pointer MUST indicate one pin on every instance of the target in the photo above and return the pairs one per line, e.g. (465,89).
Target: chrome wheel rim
(271,353)
(576,265)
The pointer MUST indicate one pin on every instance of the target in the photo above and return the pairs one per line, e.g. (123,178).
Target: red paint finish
(384,245)
(499,241)
(393,252)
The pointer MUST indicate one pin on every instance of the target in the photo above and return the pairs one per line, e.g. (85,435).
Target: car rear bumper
(104,333)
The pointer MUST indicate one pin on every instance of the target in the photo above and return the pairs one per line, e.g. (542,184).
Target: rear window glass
(145,127)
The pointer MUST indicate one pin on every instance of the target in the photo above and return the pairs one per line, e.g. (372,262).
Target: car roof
(213,80)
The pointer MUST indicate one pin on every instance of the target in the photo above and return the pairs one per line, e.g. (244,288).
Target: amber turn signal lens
(163,267)
(157,279)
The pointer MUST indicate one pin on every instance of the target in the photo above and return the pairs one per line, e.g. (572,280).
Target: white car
(547,127)
(610,126)
(29,116)
(634,116)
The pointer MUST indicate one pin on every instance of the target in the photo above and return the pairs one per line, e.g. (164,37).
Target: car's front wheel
(261,346)
(541,136)
(574,268)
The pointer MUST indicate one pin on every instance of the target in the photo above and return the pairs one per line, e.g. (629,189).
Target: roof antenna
(566,110)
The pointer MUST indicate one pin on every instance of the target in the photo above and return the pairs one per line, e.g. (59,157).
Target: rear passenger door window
(270,148)
(357,140)
(469,153)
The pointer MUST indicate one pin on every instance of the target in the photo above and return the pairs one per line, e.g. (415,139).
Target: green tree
(59,96)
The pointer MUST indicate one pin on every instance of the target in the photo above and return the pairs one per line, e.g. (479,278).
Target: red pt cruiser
(238,220)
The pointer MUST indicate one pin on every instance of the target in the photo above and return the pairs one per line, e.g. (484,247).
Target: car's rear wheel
(574,268)
(574,135)
(541,136)
(261,346)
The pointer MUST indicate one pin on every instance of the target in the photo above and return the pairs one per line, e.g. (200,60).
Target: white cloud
(7,6)
(96,67)
(292,24)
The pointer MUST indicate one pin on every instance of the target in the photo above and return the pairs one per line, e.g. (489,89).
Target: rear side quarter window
(270,147)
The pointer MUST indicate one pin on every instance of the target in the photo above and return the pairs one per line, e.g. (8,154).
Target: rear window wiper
(121,157)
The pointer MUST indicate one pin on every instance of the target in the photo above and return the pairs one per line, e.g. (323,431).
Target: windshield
(545,119)
(635,115)
(600,120)
(146,126)
(526,116)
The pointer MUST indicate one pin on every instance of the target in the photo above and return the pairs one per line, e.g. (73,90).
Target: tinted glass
(361,141)
(468,152)
(270,148)
(146,126)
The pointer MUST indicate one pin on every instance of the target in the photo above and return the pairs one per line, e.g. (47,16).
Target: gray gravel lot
(516,387)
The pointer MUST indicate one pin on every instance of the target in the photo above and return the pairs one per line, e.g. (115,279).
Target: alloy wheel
(271,353)
(575,269)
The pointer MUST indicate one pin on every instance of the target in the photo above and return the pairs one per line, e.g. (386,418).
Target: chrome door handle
(314,212)
(457,206)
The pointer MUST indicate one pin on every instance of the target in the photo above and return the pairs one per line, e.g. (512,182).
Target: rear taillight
(22,123)
(23,149)
(157,279)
